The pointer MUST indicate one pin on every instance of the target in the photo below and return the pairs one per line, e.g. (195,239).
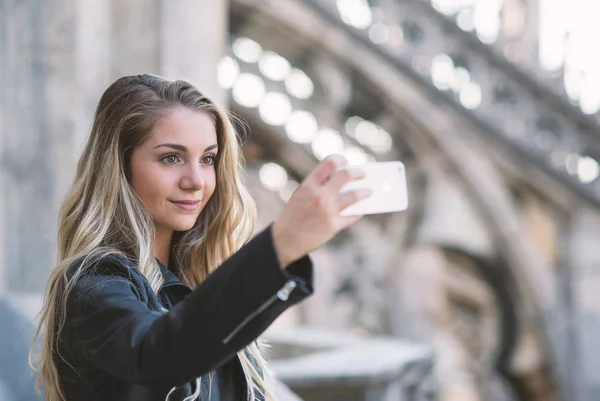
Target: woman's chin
(183,225)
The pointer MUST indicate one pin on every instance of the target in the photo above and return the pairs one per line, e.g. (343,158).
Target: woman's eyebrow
(172,146)
(182,148)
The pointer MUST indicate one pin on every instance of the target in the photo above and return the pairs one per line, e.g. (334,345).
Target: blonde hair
(101,215)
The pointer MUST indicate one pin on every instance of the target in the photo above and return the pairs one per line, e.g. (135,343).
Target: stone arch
(428,125)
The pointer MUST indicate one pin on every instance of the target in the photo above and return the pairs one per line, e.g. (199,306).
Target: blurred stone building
(494,266)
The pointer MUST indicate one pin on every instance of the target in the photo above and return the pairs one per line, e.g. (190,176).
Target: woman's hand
(311,217)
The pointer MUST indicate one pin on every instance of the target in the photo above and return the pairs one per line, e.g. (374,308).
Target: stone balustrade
(321,365)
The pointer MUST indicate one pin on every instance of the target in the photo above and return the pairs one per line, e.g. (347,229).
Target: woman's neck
(162,245)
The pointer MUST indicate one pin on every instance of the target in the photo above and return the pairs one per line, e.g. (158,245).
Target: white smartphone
(387,181)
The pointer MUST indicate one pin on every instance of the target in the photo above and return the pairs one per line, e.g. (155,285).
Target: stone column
(192,39)
(27,168)
(53,62)
(3,94)
(584,260)
(174,38)
(134,41)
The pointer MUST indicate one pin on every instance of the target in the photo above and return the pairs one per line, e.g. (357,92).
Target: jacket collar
(169,277)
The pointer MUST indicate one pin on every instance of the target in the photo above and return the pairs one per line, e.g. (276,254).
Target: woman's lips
(187,205)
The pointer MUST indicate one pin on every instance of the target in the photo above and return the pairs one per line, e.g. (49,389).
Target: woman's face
(173,171)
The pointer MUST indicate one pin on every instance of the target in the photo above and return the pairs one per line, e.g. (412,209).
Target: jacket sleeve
(116,331)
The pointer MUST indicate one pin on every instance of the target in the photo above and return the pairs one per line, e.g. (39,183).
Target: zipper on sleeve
(286,290)
(283,294)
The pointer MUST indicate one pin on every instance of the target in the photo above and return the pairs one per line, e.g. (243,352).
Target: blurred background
(486,289)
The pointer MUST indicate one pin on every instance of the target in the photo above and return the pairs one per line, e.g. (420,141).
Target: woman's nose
(193,178)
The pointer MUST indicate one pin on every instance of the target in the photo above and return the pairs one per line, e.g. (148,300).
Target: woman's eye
(210,159)
(170,159)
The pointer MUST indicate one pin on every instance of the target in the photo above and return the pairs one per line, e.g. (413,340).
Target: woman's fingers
(351,197)
(333,173)
(341,177)
(322,173)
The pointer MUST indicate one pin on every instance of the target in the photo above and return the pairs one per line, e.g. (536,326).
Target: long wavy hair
(101,215)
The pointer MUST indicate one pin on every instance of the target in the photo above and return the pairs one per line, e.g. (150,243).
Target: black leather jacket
(119,344)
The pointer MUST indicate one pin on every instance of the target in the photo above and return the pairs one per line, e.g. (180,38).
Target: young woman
(158,293)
